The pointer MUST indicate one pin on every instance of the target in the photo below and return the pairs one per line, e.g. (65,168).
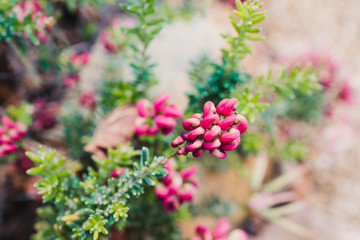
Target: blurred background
(316,31)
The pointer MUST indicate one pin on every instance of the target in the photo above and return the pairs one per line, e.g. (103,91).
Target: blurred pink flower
(88,99)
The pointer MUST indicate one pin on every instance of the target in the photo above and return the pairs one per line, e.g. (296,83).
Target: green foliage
(89,205)
(22,113)
(293,150)
(255,96)
(212,81)
(149,24)
(250,15)
(11,27)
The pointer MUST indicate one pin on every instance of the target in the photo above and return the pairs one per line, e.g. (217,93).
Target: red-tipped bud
(187,173)
(209,108)
(173,110)
(143,107)
(191,123)
(198,152)
(209,120)
(177,141)
(160,102)
(196,133)
(116,173)
(164,122)
(141,127)
(218,153)
(226,107)
(221,228)
(153,130)
(242,123)
(212,145)
(231,145)
(197,115)
(185,136)
(7,121)
(194,145)
(162,191)
(226,122)
(187,193)
(182,151)
(203,231)
(212,134)
(229,136)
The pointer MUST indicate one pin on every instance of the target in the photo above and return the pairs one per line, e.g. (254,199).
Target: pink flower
(113,38)
(116,173)
(79,60)
(220,232)
(87,99)
(346,93)
(44,116)
(10,133)
(141,127)
(159,115)
(177,187)
(178,141)
(219,132)
(72,79)
(160,102)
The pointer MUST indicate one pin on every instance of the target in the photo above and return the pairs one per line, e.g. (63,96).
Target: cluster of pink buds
(116,173)
(156,117)
(88,99)
(44,23)
(220,232)
(177,186)
(77,61)
(113,38)
(44,116)
(217,130)
(10,132)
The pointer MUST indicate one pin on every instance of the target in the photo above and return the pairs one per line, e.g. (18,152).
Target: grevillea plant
(85,203)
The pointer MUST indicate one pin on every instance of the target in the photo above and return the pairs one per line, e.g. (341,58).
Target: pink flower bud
(185,136)
(116,173)
(88,99)
(212,134)
(175,184)
(141,127)
(191,123)
(160,102)
(143,107)
(197,115)
(7,121)
(194,180)
(209,120)
(168,130)
(346,94)
(221,228)
(161,191)
(164,122)
(212,145)
(171,203)
(178,141)
(2,130)
(182,151)
(242,124)
(196,133)
(226,107)
(209,108)
(153,130)
(173,110)
(14,134)
(218,153)
(226,122)
(229,136)
(8,148)
(5,139)
(187,173)
(198,152)
(202,231)
(230,145)
(194,145)
(187,192)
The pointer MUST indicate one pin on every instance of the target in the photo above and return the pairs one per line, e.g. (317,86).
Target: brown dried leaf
(118,126)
